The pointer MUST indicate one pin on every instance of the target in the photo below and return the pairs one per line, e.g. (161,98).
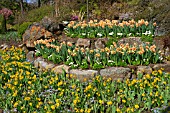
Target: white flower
(111,33)
(148,32)
(37,51)
(144,33)
(71,63)
(99,34)
(65,22)
(65,29)
(83,34)
(161,58)
(49,56)
(119,33)
(110,61)
(129,34)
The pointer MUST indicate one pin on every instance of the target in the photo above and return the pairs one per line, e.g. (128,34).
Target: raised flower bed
(85,58)
(24,89)
(110,29)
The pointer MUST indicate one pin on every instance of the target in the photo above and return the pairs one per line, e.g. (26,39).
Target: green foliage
(22,28)
(37,14)
(110,41)
(9,35)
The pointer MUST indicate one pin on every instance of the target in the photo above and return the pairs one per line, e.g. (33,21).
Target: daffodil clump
(24,89)
(110,28)
(115,55)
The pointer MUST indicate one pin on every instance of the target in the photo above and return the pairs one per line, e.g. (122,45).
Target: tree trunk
(39,3)
(21,5)
(4,29)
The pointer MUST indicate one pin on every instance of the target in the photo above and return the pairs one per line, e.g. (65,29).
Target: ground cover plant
(24,89)
(110,28)
(115,55)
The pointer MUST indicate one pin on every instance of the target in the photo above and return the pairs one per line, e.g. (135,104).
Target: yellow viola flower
(81,110)
(109,103)
(132,109)
(15,104)
(124,101)
(128,109)
(136,106)
(30,104)
(27,98)
(143,94)
(101,101)
(118,110)
(160,71)
(57,104)
(53,107)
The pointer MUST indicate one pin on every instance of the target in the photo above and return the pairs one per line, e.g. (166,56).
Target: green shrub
(36,15)
(22,28)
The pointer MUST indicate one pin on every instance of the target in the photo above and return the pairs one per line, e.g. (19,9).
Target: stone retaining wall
(115,73)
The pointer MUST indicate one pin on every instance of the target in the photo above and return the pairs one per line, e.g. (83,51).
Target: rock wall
(115,73)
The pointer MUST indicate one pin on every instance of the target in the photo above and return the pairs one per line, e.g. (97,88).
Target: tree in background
(21,4)
(5,14)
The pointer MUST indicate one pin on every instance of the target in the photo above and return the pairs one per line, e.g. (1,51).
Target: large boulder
(166,67)
(83,42)
(35,32)
(116,73)
(100,43)
(163,44)
(52,25)
(60,68)
(130,40)
(144,70)
(83,74)
(30,56)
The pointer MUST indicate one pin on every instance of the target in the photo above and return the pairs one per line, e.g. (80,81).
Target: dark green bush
(3,24)
(22,28)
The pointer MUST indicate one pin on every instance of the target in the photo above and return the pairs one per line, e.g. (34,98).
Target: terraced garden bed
(24,89)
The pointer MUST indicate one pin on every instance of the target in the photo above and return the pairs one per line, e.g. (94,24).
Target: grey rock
(50,66)
(167,51)
(59,69)
(50,24)
(30,56)
(83,42)
(130,40)
(100,43)
(144,70)
(115,73)
(42,65)
(83,74)
(166,67)
(36,61)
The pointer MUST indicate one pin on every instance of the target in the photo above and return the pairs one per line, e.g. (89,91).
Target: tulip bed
(110,29)
(84,58)
(24,89)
